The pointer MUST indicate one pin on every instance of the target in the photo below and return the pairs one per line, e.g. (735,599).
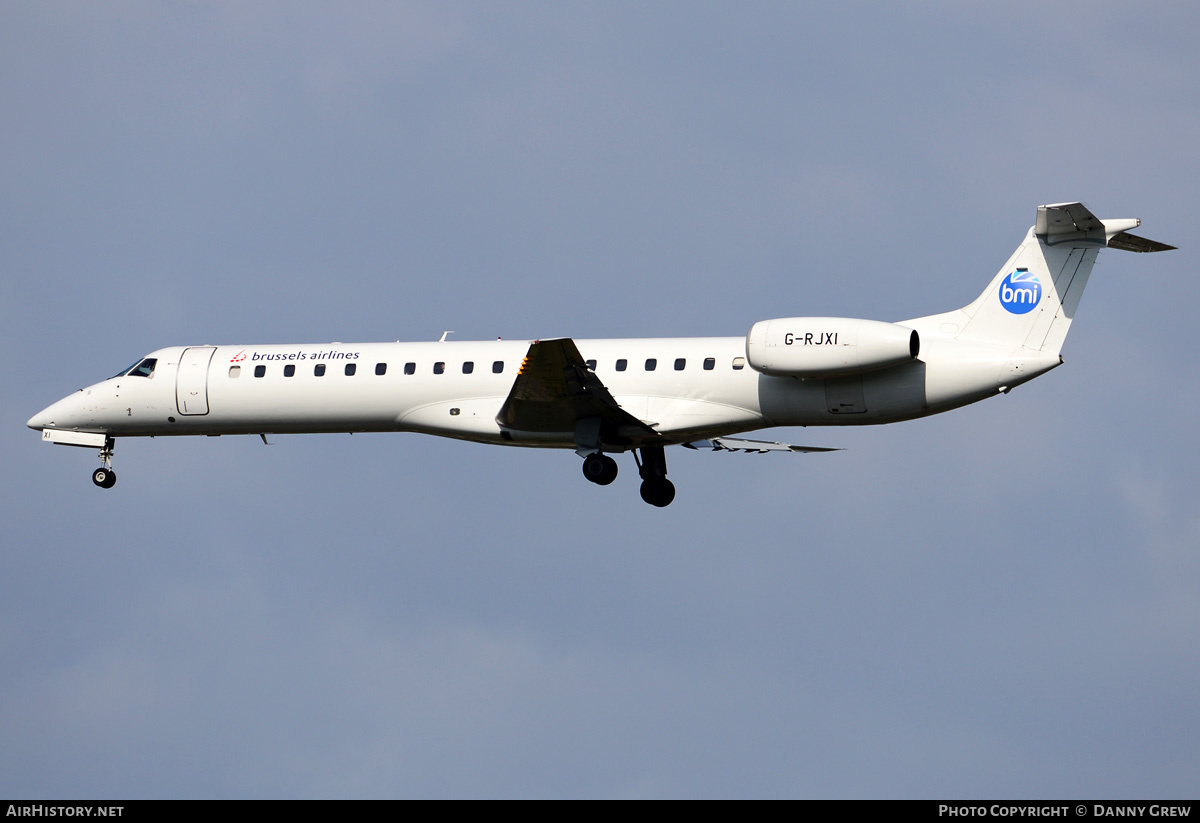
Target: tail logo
(1020,292)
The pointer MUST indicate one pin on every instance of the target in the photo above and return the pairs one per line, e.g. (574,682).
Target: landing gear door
(191,382)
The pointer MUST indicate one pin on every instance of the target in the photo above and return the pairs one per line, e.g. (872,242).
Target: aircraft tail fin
(1032,300)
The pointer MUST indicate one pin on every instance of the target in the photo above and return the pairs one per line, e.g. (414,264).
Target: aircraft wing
(735,444)
(555,391)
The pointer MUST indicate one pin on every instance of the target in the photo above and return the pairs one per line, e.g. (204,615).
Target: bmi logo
(1020,292)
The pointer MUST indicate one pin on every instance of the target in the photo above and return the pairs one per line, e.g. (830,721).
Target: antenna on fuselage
(442,339)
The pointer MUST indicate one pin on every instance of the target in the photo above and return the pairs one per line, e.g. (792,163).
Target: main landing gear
(600,469)
(657,490)
(105,477)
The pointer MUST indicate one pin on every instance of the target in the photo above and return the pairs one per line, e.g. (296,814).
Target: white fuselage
(640,395)
(698,387)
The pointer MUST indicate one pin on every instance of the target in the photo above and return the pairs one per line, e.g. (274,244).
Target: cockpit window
(142,368)
(145,368)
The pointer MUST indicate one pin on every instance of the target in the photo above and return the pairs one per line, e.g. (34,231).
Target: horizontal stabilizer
(734,444)
(1131,242)
(1073,223)
(1060,222)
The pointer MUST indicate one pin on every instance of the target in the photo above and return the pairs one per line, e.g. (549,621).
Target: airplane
(604,397)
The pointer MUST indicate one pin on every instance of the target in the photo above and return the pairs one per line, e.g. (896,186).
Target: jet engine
(828,346)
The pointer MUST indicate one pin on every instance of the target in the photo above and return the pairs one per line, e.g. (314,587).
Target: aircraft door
(191,381)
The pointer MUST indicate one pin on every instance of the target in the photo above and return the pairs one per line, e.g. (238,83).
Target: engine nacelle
(828,346)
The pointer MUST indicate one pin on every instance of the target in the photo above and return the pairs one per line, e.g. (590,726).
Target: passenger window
(680,362)
(410,368)
(739,363)
(497,367)
(468,367)
(381,368)
(591,364)
(710,363)
(439,367)
(319,370)
(259,371)
(351,368)
(621,364)
(235,371)
(289,370)
(651,363)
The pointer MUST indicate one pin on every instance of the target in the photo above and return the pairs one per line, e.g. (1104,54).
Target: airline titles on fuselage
(295,355)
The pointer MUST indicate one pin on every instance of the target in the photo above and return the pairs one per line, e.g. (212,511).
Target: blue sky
(1001,601)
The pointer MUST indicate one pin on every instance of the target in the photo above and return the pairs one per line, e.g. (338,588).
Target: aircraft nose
(41,420)
(57,415)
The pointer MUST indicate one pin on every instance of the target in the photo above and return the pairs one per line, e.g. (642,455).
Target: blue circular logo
(1020,292)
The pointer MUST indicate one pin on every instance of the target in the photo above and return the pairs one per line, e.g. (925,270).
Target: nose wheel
(105,477)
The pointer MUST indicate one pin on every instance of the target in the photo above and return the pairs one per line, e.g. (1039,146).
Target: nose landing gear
(105,477)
